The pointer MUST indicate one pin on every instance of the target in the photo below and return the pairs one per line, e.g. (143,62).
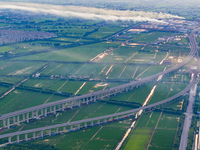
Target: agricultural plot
(86,139)
(157,123)
(39,83)
(14,100)
(147,57)
(139,139)
(3,89)
(138,95)
(152,70)
(150,37)
(90,70)
(12,80)
(21,68)
(104,32)
(166,142)
(77,54)
(61,69)
(161,92)
(121,54)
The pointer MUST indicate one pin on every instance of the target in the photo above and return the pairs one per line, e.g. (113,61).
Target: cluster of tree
(121,103)
(6,84)
(192,132)
(29,146)
(88,33)
(49,91)
(179,132)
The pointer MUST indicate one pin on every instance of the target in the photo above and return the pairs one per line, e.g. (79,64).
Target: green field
(77,54)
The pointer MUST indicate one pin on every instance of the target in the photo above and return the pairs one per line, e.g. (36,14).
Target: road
(188,119)
(193,52)
(194,81)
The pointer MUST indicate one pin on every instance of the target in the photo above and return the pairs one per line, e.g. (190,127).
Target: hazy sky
(87,13)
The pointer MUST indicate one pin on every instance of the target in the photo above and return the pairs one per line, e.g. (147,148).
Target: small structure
(167,62)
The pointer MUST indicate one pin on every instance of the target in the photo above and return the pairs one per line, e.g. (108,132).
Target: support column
(50,109)
(13,119)
(126,89)
(79,102)
(92,123)
(42,133)
(49,132)
(71,104)
(85,124)
(78,126)
(56,130)
(71,127)
(45,112)
(37,117)
(64,129)
(18,120)
(4,123)
(26,137)
(33,114)
(95,98)
(42,112)
(54,109)
(23,117)
(101,96)
(63,107)
(8,123)
(105,120)
(114,92)
(27,117)
(87,101)
(59,107)
(84,100)
(17,138)
(98,122)
(9,139)
(33,135)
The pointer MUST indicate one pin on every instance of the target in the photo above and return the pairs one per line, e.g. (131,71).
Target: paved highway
(107,116)
(193,52)
(188,119)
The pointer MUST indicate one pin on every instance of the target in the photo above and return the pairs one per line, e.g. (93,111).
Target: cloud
(88,12)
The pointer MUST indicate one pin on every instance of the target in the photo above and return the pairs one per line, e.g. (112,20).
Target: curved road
(107,116)
(192,54)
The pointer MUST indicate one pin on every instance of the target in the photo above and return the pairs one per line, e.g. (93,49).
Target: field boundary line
(74,115)
(62,85)
(80,88)
(122,71)
(131,57)
(135,72)
(103,69)
(143,72)
(92,138)
(154,131)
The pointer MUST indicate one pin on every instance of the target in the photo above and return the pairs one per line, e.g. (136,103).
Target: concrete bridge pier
(14,120)
(24,118)
(27,117)
(63,106)
(85,124)
(49,132)
(9,140)
(4,123)
(54,109)
(33,135)
(45,112)
(18,120)
(26,137)
(8,123)
(17,138)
